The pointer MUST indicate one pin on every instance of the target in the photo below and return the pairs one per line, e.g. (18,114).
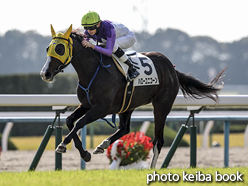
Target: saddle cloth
(143,64)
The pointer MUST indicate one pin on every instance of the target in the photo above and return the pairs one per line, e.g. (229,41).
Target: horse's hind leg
(78,113)
(124,128)
(161,110)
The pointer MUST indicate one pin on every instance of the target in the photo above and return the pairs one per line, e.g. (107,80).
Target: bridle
(64,65)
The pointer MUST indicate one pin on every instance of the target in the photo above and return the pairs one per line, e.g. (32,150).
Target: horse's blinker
(61,46)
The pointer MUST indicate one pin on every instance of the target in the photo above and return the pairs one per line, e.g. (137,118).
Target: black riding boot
(132,72)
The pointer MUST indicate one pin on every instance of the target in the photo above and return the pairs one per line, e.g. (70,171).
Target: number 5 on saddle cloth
(148,75)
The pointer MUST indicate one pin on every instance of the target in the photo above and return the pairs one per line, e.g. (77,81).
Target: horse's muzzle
(46,76)
(44,73)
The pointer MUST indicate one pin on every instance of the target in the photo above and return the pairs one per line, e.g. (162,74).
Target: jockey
(114,36)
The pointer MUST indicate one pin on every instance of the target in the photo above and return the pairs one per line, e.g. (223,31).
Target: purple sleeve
(109,46)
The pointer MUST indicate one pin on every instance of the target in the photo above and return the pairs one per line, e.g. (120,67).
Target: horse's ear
(52,31)
(68,32)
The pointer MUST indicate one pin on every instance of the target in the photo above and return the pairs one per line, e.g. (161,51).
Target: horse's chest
(83,98)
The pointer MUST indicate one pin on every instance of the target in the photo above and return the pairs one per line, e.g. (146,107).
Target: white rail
(71,100)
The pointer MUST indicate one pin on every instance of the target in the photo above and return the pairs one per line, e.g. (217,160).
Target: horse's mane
(80,38)
(77,37)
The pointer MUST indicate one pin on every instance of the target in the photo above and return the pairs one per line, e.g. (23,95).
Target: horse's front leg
(93,114)
(77,113)
(124,128)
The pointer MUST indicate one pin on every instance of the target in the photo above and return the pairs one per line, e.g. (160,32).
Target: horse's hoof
(61,148)
(98,150)
(87,157)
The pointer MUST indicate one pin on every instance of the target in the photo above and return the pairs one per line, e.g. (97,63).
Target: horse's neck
(85,68)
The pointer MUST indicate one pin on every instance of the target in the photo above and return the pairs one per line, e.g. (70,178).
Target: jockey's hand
(75,31)
(78,31)
(87,44)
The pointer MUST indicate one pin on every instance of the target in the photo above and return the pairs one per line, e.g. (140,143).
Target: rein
(87,91)
(62,66)
(101,63)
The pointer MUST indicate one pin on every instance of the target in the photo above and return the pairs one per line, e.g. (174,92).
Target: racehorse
(101,87)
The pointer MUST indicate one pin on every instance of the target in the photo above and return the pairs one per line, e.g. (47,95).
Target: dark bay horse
(104,94)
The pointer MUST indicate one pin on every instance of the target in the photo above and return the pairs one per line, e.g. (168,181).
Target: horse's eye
(60,49)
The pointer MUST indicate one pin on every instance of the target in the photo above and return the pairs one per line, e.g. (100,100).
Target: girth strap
(127,97)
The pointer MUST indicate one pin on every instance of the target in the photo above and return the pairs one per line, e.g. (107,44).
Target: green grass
(113,177)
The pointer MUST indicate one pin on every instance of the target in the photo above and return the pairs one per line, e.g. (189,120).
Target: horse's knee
(78,125)
(124,131)
(69,122)
(127,130)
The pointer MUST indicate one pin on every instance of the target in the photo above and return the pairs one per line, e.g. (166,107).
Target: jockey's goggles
(90,28)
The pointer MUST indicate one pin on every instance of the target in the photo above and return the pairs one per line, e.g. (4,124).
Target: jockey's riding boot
(132,72)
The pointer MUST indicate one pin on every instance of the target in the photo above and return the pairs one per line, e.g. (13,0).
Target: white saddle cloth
(144,65)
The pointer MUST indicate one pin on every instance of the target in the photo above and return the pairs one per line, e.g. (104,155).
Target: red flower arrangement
(131,148)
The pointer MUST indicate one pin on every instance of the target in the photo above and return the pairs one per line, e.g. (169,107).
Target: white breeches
(125,41)
(124,37)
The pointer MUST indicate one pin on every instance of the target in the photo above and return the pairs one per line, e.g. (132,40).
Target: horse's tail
(194,88)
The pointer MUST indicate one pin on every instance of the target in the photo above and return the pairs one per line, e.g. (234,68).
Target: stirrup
(133,75)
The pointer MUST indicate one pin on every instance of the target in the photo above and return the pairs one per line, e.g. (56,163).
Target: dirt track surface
(17,161)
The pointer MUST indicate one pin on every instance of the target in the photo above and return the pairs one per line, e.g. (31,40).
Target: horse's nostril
(47,75)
